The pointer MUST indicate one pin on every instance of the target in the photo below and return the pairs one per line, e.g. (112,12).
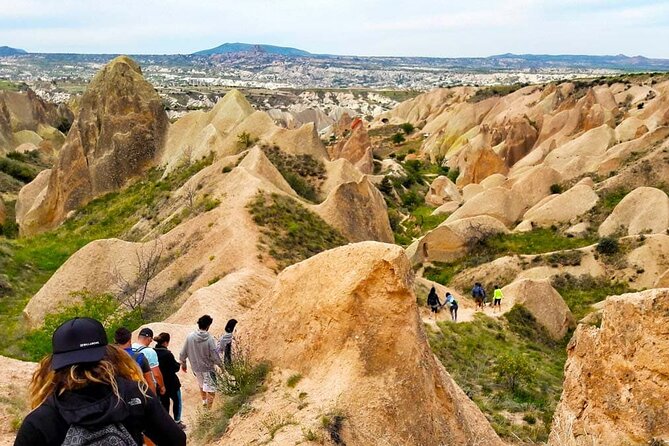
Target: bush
(397,138)
(18,169)
(556,189)
(513,370)
(302,172)
(608,246)
(453,174)
(407,128)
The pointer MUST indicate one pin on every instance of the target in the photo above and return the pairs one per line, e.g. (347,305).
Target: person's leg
(455,314)
(176,405)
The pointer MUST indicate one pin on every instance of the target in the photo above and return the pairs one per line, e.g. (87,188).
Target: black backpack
(110,435)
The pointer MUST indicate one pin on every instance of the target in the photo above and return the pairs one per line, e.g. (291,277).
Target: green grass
(293,380)
(9,85)
(29,262)
(580,293)
(291,233)
(473,353)
(537,241)
(303,172)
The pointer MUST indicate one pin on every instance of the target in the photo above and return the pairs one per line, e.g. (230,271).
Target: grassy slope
(30,261)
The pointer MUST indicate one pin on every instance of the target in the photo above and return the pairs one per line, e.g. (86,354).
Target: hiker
(225,343)
(433,301)
(200,349)
(144,339)
(89,392)
(453,306)
(478,293)
(169,368)
(497,299)
(122,338)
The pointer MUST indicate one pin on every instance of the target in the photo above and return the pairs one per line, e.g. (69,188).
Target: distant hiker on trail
(88,392)
(225,343)
(200,349)
(122,337)
(144,339)
(169,368)
(478,293)
(453,306)
(433,301)
(497,299)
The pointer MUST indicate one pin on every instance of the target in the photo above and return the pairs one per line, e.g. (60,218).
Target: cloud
(370,27)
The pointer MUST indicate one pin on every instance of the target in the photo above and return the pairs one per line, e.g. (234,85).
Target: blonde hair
(115,363)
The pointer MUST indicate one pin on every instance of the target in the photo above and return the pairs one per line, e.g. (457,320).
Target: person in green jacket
(497,299)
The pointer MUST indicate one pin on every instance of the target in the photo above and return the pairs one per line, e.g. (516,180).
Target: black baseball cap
(146,332)
(79,340)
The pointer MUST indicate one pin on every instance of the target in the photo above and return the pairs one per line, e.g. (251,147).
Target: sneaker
(181,425)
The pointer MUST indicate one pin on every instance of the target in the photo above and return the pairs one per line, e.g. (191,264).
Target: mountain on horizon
(9,51)
(248,47)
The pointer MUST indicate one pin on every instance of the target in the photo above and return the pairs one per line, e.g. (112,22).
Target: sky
(434,28)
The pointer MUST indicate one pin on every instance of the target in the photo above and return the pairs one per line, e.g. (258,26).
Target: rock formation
(356,147)
(545,304)
(644,210)
(119,131)
(442,190)
(368,355)
(3,212)
(616,378)
(358,211)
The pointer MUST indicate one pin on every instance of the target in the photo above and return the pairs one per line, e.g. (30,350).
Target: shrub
(407,128)
(18,169)
(556,189)
(453,174)
(608,246)
(293,380)
(241,380)
(513,370)
(302,172)
(397,138)
(245,140)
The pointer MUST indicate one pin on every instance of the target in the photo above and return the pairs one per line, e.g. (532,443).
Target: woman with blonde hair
(89,392)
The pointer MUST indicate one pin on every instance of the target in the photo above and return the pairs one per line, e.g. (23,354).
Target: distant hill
(619,61)
(9,51)
(248,48)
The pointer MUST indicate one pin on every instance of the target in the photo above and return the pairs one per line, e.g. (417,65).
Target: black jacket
(169,367)
(96,405)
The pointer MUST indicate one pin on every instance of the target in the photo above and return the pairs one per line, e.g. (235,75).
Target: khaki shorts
(206,381)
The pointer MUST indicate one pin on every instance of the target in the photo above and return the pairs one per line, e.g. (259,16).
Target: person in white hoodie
(200,350)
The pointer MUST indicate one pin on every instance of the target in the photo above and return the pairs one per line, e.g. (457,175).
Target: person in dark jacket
(225,343)
(86,385)
(169,368)
(433,301)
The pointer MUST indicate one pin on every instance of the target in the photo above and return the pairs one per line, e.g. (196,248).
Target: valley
(320,218)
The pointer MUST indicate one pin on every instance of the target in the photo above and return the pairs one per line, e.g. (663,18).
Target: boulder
(534,184)
(442,190)
(120,129)
(582,154)
(644,210)
(446,208)
(616,383)
(26,148)
(543,301)
(578,230)
(355,309)
(564,207)
(471,190)
(493,180)
(358,210)
(497,202)
(451,240)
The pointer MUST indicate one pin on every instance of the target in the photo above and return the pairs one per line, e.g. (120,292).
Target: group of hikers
(478,294)
(90,392)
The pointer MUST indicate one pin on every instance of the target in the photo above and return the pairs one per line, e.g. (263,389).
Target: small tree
(190,195)
(513,370)
(134,289)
